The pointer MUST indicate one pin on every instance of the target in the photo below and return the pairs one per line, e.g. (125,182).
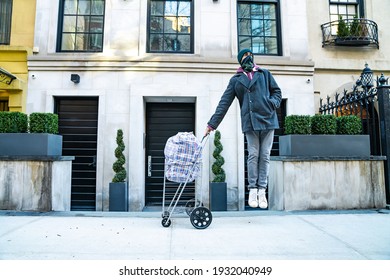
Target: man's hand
(208,130)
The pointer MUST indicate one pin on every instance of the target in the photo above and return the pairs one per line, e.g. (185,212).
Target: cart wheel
(201,217)
(190,205)
(166,222)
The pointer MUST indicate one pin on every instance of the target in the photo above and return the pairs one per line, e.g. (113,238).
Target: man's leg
(253,141)
(266,141)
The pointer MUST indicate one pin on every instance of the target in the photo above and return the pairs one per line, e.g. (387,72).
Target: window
(259,26)
(170,26)
(347,9)
(81,26)
(5,21)
(4,105)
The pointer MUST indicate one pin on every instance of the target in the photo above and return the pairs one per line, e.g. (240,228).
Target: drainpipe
(383,91)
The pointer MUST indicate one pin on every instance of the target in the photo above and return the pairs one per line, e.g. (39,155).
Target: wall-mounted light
(6,77)
(75,78)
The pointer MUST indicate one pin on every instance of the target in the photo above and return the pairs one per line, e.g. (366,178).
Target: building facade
(154,68)
(17,20)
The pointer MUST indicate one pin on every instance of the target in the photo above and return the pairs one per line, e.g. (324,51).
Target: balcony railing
(350,32)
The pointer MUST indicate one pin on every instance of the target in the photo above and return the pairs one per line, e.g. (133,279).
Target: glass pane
(156,24)
(171,8)
(271,46)
(334,17)
(96,24)
(333,9)
(342,10)
(157,8)
(257,27)
(269,28)
(243,11)
(156,42)
(256,11)
(184,43)
(95,42)
(184,9)
(70,7)
(69,24)
(173,43)
(84,7)
(81,42)
(83,24)
(244,27)
(258,45)
(170,24)
(67,42)
(269,12)
(352,10)
(97,7)
(184,25)
(245,42)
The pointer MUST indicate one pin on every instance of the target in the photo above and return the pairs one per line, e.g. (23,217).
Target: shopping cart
(183,160)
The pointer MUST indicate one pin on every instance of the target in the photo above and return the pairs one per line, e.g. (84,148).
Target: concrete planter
(218,196)
(30,144)
(118,197)
(325,145)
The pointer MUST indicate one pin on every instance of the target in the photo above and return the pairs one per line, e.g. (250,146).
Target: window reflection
(82,28)
(170,26)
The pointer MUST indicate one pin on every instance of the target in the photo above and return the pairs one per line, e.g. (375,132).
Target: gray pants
(259,149)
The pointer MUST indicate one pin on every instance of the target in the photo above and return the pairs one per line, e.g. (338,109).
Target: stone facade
(125,78)
(326,184)
(35,184)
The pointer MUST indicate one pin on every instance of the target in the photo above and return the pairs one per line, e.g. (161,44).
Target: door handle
(93,163)
(149,166)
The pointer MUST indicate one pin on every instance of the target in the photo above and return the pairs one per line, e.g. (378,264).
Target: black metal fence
(361,100)
(372,104)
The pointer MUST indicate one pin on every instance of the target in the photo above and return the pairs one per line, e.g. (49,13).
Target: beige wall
(339,67)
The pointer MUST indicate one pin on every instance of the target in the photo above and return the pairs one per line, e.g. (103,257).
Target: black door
(164,120)
(78,123)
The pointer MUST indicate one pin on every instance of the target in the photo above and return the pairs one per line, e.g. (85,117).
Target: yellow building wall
(13,57)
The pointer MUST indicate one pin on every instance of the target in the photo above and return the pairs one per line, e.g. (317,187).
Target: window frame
(8,25)
(192,28)
(61,16)
(359,4)
(279,42)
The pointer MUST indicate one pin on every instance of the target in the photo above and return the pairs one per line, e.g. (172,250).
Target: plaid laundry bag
(183,157)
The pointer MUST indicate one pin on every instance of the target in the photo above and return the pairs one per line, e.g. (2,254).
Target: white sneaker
(252,199)
(263,204)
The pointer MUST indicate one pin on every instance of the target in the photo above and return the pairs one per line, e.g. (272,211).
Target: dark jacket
(259,98)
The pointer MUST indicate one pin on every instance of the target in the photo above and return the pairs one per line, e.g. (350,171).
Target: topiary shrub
(120,171)
(323,124)
(356,28)
(351,125)
(43,123)
(13,122)
(342,28)
(297,124)
(219,173)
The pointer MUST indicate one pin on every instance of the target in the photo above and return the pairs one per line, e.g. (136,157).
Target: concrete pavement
(249,235)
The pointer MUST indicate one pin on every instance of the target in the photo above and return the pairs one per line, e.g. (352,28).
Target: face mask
(247,64)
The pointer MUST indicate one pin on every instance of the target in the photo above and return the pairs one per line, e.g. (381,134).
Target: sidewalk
(254,235)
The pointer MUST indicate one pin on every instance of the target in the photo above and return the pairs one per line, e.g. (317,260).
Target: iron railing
(361,101)
(355,32)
